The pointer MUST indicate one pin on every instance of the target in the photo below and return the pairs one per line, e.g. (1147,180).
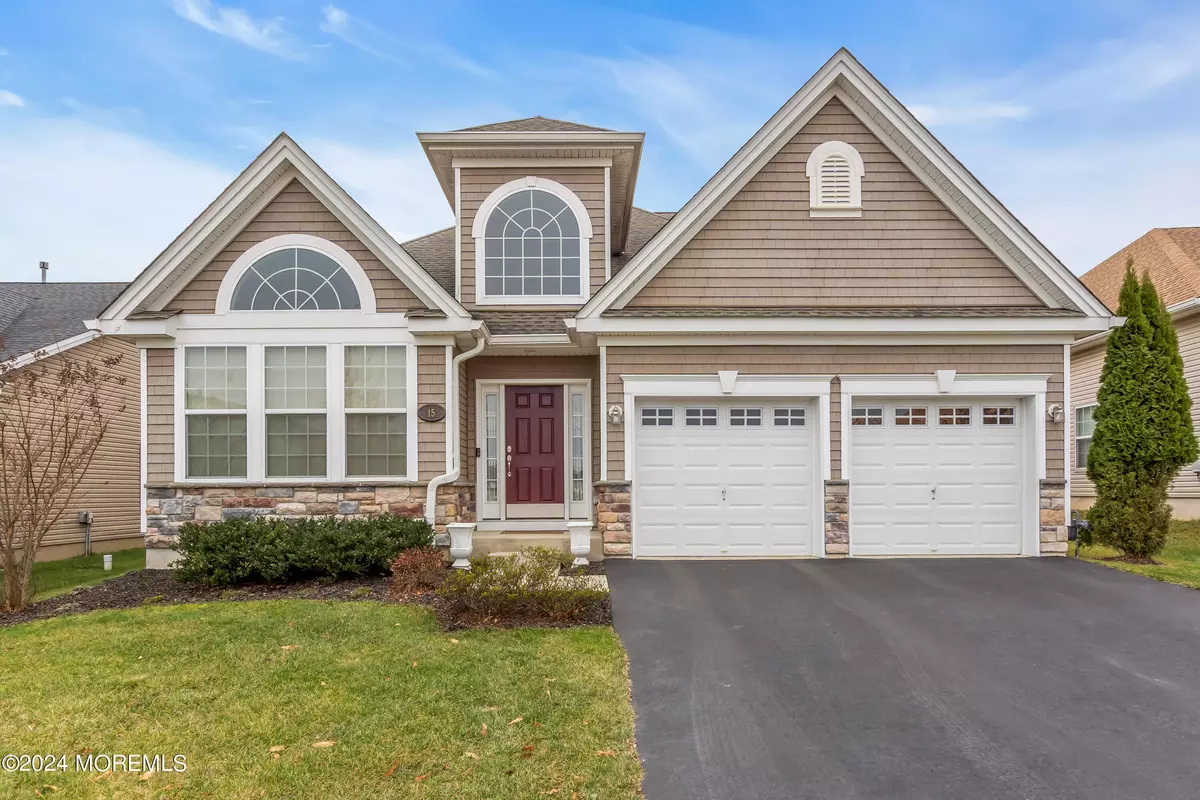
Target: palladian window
(295,279)
(532,247)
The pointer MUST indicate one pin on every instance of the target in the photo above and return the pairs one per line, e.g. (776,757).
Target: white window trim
(1075,437)
(762,386)
(812,170)
(335,410)
(479,227)
(304,241)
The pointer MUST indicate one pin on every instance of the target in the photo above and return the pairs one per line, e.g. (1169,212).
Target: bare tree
(54,413)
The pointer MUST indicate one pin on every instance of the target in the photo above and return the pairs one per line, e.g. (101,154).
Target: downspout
(452,431)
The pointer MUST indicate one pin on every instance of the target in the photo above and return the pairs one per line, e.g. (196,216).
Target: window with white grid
(909,416)
(954,415)
(999,415)
(294,382)
(658,417)
(700,417)
(214,394)
(789,417)
(867,416)
(745,417)
(376,399)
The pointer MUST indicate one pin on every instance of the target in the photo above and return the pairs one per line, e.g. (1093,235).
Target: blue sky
(121,120)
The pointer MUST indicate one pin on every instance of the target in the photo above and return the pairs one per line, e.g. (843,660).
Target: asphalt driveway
(957,678)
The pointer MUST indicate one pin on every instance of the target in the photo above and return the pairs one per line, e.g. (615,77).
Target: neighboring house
(1172,258)
(43,323)
(842,344)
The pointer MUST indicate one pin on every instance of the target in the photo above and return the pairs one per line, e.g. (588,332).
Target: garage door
(725,478)
(939,476)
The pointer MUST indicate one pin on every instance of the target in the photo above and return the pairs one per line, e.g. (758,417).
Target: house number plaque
(431,412)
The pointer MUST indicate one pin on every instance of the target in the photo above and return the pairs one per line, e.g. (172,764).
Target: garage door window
(907,417)
(700,417)
(745,417)
(867,416)
(958,415)
(999,415)
(658,417)
(789,418)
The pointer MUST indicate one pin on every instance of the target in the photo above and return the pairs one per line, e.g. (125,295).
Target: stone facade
(837,518)
(169,507)
(614,516)
(1052,517)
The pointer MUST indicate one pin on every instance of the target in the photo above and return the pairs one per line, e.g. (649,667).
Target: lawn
(1180,561)
(52,578)
(413,712)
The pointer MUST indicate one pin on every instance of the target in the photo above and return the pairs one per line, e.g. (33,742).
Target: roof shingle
(1170,255)
(534,124)
(35,315)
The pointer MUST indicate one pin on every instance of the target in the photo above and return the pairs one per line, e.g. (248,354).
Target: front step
(508,542)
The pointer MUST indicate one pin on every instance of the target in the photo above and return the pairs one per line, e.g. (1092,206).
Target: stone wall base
(1052,517)
(837,519)
(614,517)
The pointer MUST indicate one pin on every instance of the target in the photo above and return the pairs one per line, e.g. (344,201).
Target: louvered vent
(835,181)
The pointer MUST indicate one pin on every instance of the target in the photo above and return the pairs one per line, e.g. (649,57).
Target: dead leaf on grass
(324,744)
(147,775)
(276,748)
(527,751)
(469,754)
(392,771)
(515,721)
(484,730)
(289,647)
(420,778)
(490,708)
(606,753)
(454,641)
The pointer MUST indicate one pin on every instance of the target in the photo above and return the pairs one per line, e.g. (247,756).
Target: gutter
(452,432)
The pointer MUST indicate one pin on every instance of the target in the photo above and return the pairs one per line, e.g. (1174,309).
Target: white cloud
(97,204)
(962,115)
(12,99)
(268,36)
(374,41)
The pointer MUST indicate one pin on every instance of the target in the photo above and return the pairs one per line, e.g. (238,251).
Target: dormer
(541,207)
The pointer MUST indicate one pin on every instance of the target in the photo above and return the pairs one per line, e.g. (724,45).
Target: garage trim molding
(806,386)
(1030,387)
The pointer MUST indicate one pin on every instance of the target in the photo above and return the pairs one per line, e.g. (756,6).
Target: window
(491,436)
(789,417)
(834,171)
(376,396)
(954,416)
(658,417)
(214,394)
(577,448)
(745,417)
(1085,425)
(700,417)
(872,416)
(907,417)
(999,415)
(294,279)
(294,382)
(532,247)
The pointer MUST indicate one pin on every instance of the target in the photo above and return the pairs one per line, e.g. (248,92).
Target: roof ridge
(427,235)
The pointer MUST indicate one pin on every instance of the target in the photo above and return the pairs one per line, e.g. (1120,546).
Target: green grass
(52,578)
(405,703)
(1180,559)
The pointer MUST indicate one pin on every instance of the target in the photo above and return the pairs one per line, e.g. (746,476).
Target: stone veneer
(1052,517)
(837,518)
(169,507)
(613,517)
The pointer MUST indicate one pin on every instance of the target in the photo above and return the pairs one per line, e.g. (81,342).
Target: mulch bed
(160,587)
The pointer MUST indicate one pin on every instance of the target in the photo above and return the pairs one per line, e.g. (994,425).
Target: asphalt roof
(35,315)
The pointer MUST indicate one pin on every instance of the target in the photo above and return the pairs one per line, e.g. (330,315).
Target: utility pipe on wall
(452,432)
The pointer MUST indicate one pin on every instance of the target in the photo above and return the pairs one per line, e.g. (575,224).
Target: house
(841,345)
(42,324)
(1172,258)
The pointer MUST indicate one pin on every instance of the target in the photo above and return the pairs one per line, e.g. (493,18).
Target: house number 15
(431,412)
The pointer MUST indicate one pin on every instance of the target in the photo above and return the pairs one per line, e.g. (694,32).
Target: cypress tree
(1143,432)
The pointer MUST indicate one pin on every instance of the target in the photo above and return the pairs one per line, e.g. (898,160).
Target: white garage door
(938,476)
(725,478)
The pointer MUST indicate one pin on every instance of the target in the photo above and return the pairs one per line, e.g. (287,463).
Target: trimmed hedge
(277,551)
(524,587)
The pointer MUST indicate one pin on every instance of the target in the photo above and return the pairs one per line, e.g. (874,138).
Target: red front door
(533,444)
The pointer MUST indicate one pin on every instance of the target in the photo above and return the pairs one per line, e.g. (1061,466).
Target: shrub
(418,569)
(527,585)
(266,550)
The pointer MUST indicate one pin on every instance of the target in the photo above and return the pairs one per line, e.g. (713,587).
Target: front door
(533,452)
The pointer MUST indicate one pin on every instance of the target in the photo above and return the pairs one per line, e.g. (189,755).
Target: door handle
(933,492)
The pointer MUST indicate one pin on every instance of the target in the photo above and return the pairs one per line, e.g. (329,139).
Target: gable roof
(280,163)
(533,124)
(842,77)
(34,316)
(1170,255)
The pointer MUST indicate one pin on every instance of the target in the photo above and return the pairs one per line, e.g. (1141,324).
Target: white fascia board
(576,139)
(802,325)
(710,386)
(531,339)
(423,325)
(136,327)
(834,339)
(54,348)
(927,385)
(527,163)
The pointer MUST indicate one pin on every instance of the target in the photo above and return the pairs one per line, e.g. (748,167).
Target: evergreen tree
(1143,432)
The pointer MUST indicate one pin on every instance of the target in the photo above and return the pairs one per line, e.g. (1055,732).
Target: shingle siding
(763,249)
(160,416)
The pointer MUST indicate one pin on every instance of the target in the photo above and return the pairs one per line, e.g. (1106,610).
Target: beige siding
(160,416)
(835,360)
(431,388)
(1085,385)
(477,184)
(907,249)
(295,210)
(109,488)
(526,368)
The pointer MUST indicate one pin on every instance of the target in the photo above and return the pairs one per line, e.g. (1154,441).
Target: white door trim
(711,385)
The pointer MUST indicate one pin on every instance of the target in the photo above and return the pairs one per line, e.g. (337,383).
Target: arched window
(835,171)
(295,279)
(531,240)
